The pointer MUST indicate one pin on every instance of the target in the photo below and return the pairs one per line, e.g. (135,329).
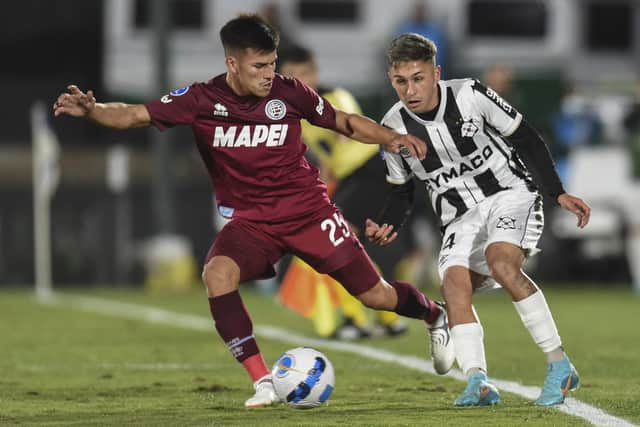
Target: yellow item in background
(318,296)
(340,155)
(170,265)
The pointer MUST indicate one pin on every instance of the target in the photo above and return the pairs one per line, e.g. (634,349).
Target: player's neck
(435,102)
(235,86)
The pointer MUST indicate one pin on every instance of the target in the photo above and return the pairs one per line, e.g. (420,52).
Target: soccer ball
(303,378)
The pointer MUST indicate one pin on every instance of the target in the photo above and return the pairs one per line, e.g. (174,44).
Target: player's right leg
(240,252)
(467,335)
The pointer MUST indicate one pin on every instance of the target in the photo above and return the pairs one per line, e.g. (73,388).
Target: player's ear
(438,72)
(232,64)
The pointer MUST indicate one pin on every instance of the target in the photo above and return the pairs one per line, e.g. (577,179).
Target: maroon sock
(413,303)
(234,325)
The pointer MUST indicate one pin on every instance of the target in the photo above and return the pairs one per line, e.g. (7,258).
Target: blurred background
(124,200)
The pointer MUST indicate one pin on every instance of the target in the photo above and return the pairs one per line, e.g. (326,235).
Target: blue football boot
(561,378)
(479,392)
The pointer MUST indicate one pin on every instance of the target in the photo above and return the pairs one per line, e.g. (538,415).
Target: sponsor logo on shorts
(226,211)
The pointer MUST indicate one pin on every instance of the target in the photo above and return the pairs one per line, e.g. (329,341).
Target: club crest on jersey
(275,109)
(468,129)
(179,92)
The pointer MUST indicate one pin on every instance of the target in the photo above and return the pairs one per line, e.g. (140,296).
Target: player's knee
(220,275)
(505,271)
(457,287)
(378,297)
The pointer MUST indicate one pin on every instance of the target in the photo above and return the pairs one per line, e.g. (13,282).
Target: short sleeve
(495,110)
(396,172)
(178,107)
(316,109)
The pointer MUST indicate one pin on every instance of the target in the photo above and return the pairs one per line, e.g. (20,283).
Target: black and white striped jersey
(468,158)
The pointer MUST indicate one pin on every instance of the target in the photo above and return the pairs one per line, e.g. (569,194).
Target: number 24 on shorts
(336,224)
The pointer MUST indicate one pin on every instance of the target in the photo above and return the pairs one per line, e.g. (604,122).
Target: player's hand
(577,206)
(379,235)
(74,103)
(415,145)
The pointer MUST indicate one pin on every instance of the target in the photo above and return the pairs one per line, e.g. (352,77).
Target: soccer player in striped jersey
(480,152)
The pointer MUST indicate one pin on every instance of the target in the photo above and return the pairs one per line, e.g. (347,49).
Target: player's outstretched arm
(365,130)
(577,206)
(114,115)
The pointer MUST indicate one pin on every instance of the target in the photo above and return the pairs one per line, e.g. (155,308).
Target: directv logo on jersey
(250,136)
(498,100)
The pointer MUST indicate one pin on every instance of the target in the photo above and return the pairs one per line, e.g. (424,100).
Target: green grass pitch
(61,366)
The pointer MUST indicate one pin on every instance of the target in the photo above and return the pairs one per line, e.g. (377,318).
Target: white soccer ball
(303,378)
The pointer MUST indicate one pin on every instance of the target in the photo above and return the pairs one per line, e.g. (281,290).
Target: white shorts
(512,216)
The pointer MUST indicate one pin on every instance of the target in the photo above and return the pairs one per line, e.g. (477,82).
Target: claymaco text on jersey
(474,163)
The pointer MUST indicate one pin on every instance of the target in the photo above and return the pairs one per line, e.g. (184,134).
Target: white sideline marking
(154,315)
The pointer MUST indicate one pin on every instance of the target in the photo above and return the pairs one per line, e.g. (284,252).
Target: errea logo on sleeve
(220,110)
(320,106)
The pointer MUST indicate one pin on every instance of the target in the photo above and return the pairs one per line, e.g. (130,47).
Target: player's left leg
(505,262)
(360,278)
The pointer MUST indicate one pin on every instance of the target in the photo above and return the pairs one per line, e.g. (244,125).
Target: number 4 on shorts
(451,240)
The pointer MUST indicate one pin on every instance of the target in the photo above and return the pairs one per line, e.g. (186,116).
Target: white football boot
(265,394)
(441,344)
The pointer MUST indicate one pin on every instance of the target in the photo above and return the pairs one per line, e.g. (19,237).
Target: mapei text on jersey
(250,136)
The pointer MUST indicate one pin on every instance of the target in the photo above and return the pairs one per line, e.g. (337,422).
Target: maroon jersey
(251,146)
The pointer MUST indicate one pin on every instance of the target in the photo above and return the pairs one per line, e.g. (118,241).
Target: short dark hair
(411,47)
(249,31)
(296,54)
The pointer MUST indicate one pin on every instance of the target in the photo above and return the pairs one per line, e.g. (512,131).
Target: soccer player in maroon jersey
(246,124)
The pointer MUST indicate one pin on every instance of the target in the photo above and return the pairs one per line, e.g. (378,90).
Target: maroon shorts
(323,240)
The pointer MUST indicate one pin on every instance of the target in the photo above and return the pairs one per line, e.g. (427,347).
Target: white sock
(633,259)
(537,318)
(467,340)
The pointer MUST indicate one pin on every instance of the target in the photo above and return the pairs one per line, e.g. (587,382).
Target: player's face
(306,72)
(251,72)
(416,84)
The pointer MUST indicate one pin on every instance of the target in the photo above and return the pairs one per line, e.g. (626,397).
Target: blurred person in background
(421,21)
(574,125)
(489,207)
(271,12)
(246,124)
(499,77)
(355,169)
